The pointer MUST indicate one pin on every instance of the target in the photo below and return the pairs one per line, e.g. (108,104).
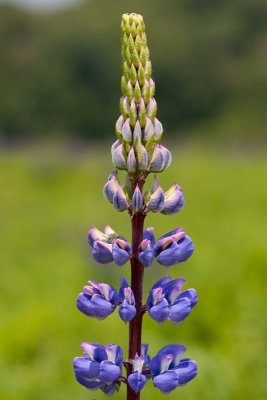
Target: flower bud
(143,161)
(119,200)
(102,252)
(111,186)
(131,161)
(137,134)
(146,253)
(149,234)
(156,200)
(142,113)
(151,109)
(118,126)
(137,380)
(158,130)
(137,200)
(166,156)
(133,113)
(120,251)
(118,157)
(174,200)
(149,130)
(126,131)
(157,162)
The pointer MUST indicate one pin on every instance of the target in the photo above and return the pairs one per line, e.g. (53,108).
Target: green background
(50,198)
(60,88)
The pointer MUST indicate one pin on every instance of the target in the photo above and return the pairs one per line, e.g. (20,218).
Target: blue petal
(84,305)
(85,368)
(95,351)
(176,350)
(169,256)
(137,381)
(102,253)
(146,256)
(91,385)
(166,382)
(160,311)
(162,282)
(120,256)
(155,365)
(172,289)
(179,310)
(190,294)
(187,370)
(149,234)
(101,307)
(186,248)
(124,285)
(109,390)
(109,372)
(115,354)
(127,311)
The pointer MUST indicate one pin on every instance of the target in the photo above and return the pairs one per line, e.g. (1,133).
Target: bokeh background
(60,89)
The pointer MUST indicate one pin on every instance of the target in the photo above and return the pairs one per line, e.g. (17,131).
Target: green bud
(141,74)
(146,92)
(133,29)
(123,85)
(147,53)
(138,150)
(135,57)
(142,113)
(125,40)
(131,43)
(139,29)
(143,56)
(128,27)
(137,93)
(150,146)
(152,87)
(123,53)
(129,91)
(123,29)
(124,18)
(148,70)
(133,74)
(133,113)
(128,56)
(124,107)
(144,41)
(138,43)
(125,70)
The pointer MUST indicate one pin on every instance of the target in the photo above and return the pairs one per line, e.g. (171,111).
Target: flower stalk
(138,152)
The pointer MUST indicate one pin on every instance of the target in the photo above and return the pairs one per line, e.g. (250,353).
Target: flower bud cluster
(166,301)
(99,300)
(138,130)
(154,199)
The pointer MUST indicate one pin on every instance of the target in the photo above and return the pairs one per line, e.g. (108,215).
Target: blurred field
(49,199)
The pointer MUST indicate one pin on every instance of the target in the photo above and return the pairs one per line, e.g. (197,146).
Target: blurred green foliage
(60,73)
(50,196)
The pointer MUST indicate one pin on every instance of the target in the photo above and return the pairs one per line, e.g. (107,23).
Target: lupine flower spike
(138,154)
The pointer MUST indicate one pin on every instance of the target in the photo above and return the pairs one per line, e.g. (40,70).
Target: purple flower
(137,380)
(108,246)
(120,202)
(120,251)
(149,234)
(173,200)
(173,248)
(127,309)
(100,367)
(165,301)
(97,300)
(169,371)
(146,253)
(111,186)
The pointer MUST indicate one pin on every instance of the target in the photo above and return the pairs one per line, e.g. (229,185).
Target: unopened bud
(131,161)
(131,43)
(149,130)
(118,126)
(119,200)
(157,162)
(158,130)
(148,68)
(138,43)
(146,91)
(133,75)
(118,157)
(151,109)
(137,134)
(133,113)
(137,200)
(142,113)
(126,131)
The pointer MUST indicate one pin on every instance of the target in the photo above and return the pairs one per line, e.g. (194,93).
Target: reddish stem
(137,274)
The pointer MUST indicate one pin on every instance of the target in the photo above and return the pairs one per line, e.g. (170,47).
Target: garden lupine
(138,152)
